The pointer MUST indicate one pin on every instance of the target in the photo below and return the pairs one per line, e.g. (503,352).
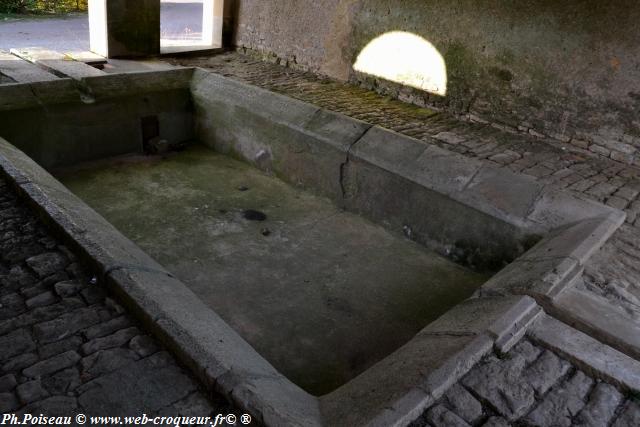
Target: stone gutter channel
(397,390)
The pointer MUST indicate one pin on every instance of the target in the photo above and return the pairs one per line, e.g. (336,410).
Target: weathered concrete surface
(306,258)
(405,184)
(540,67)
(386,177)
(197,335)
(599,318)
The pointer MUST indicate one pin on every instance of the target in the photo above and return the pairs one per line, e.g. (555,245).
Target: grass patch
(13,9)
(9,17)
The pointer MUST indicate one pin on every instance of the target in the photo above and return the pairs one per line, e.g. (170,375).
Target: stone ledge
(20,96)
(137,83)
(587,353)
(602,321)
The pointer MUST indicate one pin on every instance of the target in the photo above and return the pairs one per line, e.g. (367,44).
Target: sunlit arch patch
(404,58)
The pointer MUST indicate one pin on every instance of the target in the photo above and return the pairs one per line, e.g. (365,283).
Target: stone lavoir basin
(312,268)
(321,293)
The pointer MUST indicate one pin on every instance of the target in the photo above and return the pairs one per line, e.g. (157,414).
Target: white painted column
(98,27)
(212,20)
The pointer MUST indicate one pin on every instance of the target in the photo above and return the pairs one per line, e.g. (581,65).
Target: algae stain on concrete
(323,295)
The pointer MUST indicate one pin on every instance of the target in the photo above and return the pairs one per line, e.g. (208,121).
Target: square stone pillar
(124,28)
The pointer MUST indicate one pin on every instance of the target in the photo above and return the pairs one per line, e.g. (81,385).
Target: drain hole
(252,215)
(150,133)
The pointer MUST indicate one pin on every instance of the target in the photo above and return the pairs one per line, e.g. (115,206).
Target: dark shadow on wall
(230,26)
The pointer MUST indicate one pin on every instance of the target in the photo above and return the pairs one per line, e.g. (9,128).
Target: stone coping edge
(589,354)
(18,96)
(590,314)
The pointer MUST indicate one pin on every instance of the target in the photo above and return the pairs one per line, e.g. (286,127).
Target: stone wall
(567,70)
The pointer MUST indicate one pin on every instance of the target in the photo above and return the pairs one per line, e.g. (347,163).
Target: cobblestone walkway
(66,347)
(613,275)
(531,386)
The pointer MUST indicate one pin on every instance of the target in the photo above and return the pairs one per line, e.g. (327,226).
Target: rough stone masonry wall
(567,70)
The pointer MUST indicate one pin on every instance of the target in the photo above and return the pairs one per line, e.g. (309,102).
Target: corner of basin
(206,344)
(540,278)
(500,193)
(406,381)
(275,401)
(403,411)
(557,208)
(439,380)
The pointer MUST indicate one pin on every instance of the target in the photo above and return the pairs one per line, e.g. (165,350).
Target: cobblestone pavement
(531,386)
(613,275)
(66,347)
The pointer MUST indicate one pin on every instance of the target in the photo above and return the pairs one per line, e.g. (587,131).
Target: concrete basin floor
(321,293)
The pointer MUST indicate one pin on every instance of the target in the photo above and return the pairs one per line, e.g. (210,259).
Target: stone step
(57,63)
(23,71)
(587,353)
